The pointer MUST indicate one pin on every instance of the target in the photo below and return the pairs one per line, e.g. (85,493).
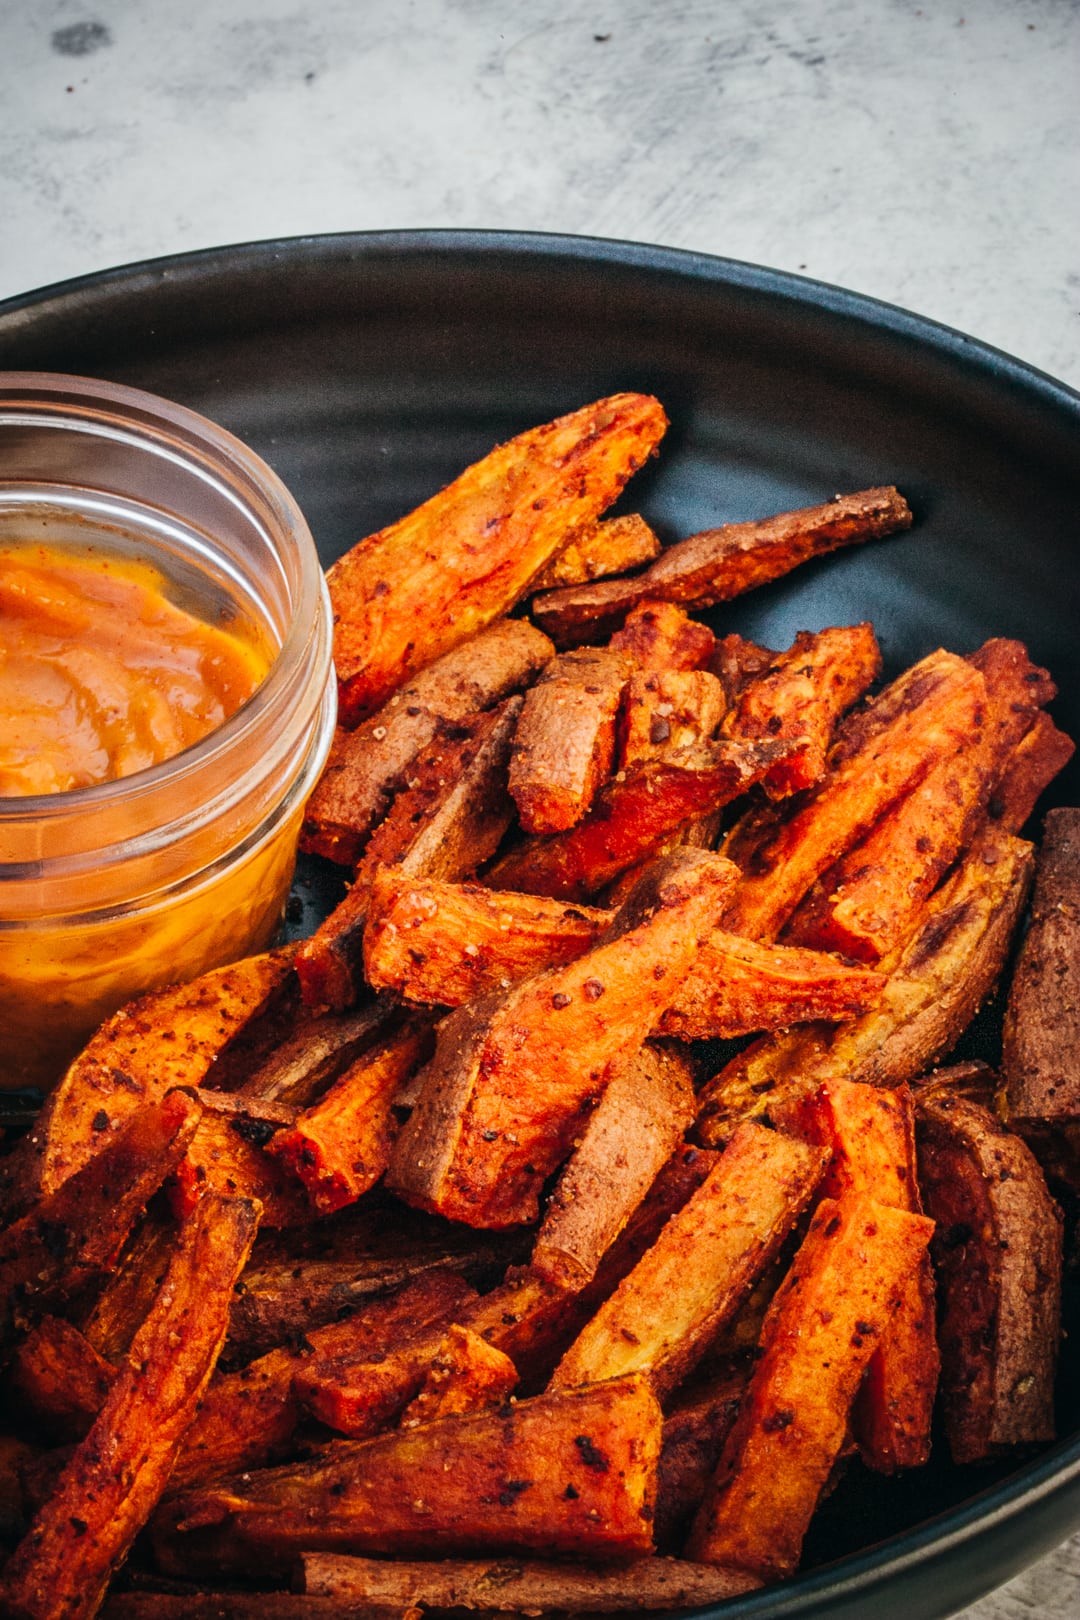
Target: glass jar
(127,885)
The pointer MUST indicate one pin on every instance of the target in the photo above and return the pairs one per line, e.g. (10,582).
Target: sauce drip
(101,674)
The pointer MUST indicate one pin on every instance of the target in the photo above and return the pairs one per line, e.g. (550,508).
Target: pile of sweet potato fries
(427,1264)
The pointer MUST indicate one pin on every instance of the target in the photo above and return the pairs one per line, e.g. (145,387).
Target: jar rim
(206,449)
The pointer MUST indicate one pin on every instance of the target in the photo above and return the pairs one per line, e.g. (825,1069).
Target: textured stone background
(926,154)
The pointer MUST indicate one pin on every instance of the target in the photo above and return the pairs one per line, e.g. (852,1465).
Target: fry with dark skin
(821,1331)
(410,593)
(632,817)
(368,765)
(998,1257)
(60,1379)
(564,744)
(514,1076)
(696,1425)
(71,1237)
(719,564)
(663,1316)
(571,1473)
(669,711)
(527,1587)
(60,1570)
(612,546)
(444,824)
(1029,770)
(635,1128)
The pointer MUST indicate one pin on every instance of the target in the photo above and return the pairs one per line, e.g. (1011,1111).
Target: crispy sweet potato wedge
(803,694)
(737,986)
(868,900)
(823,1327)
(943,699)
(997,1253)
(1042,1019)
(718,564)
(466,1375)
(308,1059)
(113,1481)
(1030,768)
(564,744)
(302,1280)
(659,637)
(636,1127)
(526,1586)
(514,1076)
(130,1288)
(410,593)
(669,711)
(446,943)
(154,1044)
(612,546)
(247,1418)
(485,1482)
(341,1145)
(696,1427)
(870,1132)
(737,661)
(226,1155)
(445,824)
(934,985)
(71,1236)
(368,765)
(59,1379)
(632,817)
(663,1316)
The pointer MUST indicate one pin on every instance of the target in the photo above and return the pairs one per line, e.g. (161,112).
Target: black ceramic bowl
(368,370)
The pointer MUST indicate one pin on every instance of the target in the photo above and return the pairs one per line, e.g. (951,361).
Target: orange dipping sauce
(102,673)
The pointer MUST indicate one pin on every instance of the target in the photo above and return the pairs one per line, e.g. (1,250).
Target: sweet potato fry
(118,1310)
(466,1375)
(247,1418)
(226,1155)
(524,1586)
(935,983)
(410,593)
(510,1084)
(997,1253)
(637,1125)
(1030,769)
(868,900)
(309,1059)
(59,1379)
(341,1265)
(943,698)
(565,739)
(822,1329)
(737,986)
(632,817)
(659,637)
(663,1316)
(154,1044)
(612,546)
(70,1237)
(870,1132)
(571,1473)
(737,661)
(695,1429)
(718,564)
(368,765)
(802,695)
(113,1481)
(446,943)
(1042,1019)
(446,823)
(669,711)
(342,1144)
